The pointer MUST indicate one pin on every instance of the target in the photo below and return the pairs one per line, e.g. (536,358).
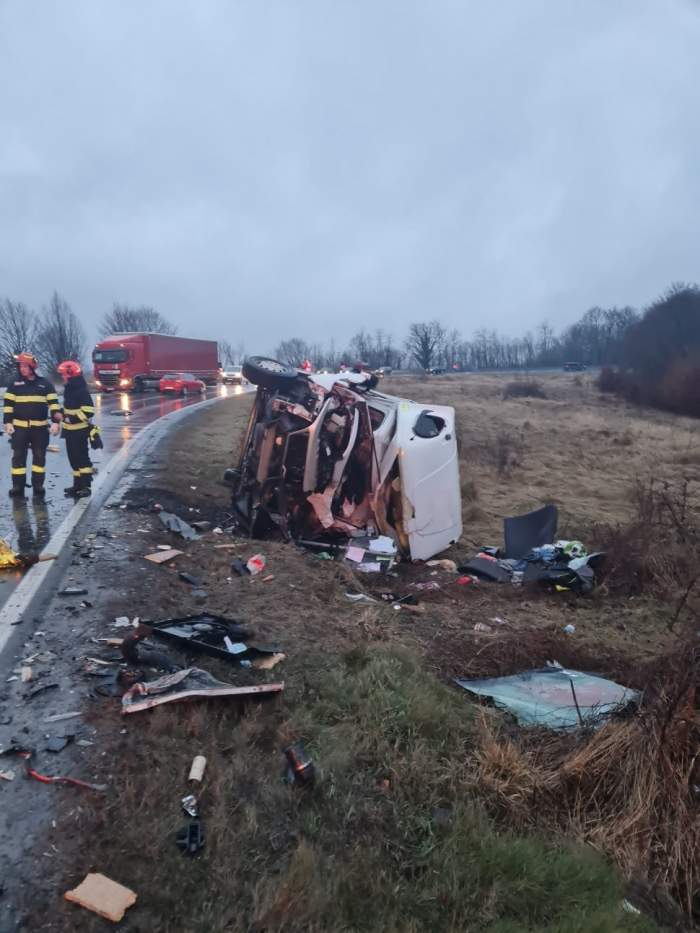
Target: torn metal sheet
(554,697)
(189,684)
(207,633)
(174,523)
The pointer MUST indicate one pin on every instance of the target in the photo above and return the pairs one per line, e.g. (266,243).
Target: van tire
(138,386)
(269,373)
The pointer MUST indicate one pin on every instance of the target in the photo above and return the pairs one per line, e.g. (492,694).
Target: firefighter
(78,429)
(30,404)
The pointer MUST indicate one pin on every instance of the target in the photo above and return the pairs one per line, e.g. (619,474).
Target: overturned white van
(328,458)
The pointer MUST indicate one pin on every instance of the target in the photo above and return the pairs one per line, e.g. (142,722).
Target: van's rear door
(429,472)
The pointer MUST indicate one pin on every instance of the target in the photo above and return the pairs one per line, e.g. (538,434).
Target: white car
(232,376)
(326,457)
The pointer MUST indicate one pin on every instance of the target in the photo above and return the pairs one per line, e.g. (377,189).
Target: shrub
(528,388)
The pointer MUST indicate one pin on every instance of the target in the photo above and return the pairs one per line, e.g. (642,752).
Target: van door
(429,473)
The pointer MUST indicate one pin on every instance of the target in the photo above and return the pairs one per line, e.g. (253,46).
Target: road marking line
(29,587)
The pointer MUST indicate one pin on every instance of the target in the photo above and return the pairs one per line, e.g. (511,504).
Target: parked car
(233,376)
(384,371)
(326,457)
(574,367)
(436,371)
(181,384)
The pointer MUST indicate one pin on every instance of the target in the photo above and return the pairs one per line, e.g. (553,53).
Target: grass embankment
(423,817)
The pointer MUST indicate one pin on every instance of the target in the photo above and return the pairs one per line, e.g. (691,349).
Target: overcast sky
(259,169)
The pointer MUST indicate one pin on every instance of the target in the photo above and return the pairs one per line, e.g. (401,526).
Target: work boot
(38,492)
(83,492)
(70,490)
(17,492)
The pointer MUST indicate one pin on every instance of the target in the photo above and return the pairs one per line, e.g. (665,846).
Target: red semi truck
(134,362)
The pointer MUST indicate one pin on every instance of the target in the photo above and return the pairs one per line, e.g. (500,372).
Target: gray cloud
(258,170)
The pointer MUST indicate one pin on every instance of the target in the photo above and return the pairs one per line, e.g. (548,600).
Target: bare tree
(293,352)
(231,354)
(60,335)
(18,331)
(125,320)
(423,341)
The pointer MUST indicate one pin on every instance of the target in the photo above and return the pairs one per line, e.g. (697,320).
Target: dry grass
(629,789)
(362,854)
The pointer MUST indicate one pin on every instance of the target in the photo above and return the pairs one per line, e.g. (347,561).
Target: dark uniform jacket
(77,405)
(30,403)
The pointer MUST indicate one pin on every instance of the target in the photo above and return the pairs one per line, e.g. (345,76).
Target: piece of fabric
(545,697)
(522,533)
(486,569)
(189,684)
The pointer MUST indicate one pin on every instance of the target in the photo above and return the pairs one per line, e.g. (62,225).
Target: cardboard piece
(102,896)
(160,557)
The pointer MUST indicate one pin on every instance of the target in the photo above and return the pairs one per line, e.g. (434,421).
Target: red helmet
(28,358)
(68,369)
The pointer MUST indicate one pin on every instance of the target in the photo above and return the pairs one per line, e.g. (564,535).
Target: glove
(95,439)
(9,429)
(55,428)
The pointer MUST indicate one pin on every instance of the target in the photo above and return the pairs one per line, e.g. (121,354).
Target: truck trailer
(135,362)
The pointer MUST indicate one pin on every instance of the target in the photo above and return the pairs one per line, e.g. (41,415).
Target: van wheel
(271,374)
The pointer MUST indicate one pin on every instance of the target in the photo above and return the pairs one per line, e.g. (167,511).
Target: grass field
(429,812)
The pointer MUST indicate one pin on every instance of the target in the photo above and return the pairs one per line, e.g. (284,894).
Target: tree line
(597,339)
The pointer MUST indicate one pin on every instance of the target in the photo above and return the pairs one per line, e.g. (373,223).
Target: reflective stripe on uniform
(29,424)
(88,409)
(19,471)
(38,469)
(52,397)
(10,396)
(76,472)
(31,398)
(86,470)
(54,406)
(83,425)
(7,410)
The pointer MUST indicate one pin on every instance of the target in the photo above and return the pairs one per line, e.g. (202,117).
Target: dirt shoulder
(395,834)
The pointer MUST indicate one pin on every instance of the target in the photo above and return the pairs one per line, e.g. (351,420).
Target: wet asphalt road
(27,525)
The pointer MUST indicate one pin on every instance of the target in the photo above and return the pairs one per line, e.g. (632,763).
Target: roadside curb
(33,590)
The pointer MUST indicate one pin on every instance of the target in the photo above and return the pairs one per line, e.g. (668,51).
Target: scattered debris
(201,526)
(122,622)
(102,896)
(7,775)
(191,683)
(160,557)
(240,568)
(256,564)
(427,585)
(53,449)
(121,413)
(25,674)
(190,839)
(199,763)
(189,578)
(360,598)
(189,805)
(206,633)
(554,697)
(59,717)
(300,767)
(40,689)
(217,531)
(56,743)
(268,662)
(444,564)
(569,629)
(175,524)
(73,591)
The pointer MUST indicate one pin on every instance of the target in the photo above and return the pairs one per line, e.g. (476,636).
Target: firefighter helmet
(28,358)
(68,369)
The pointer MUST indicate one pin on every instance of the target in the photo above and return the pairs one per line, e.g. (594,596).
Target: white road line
(27,590)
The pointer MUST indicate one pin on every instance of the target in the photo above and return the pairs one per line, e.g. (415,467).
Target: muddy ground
(573,447)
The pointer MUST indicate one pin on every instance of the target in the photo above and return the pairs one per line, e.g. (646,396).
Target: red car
(181,384)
